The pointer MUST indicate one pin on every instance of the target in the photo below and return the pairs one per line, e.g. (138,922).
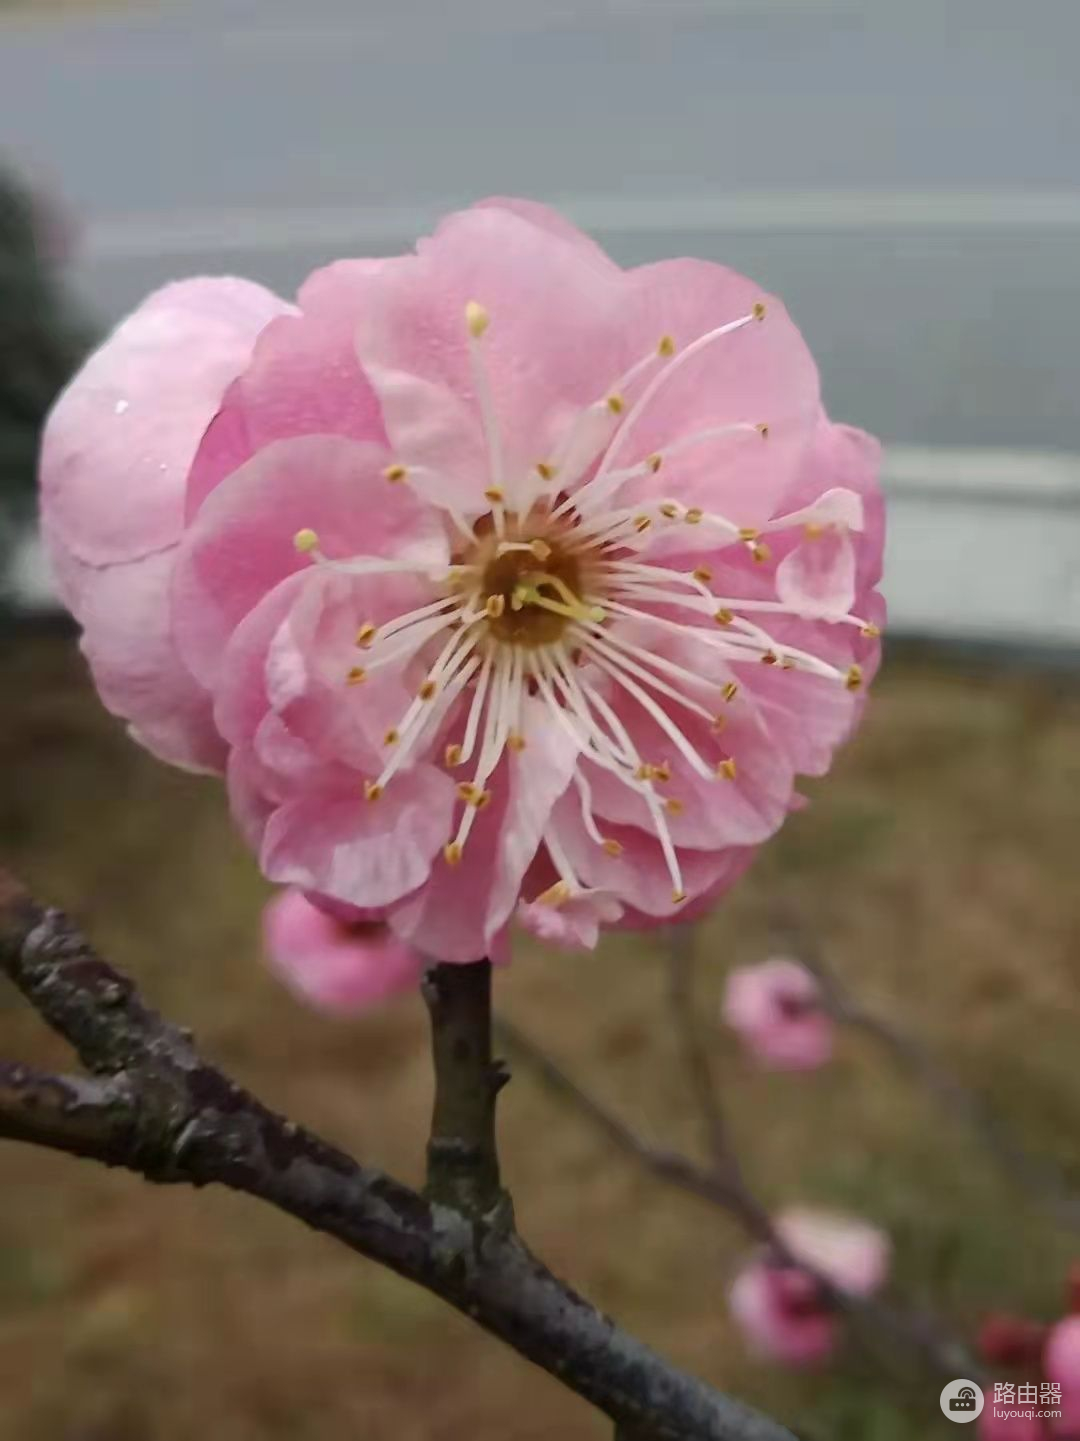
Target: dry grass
(938,864)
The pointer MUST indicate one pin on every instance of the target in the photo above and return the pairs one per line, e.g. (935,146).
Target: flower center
(529,581)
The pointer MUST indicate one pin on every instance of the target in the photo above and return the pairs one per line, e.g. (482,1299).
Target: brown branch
(463,1162)
(159,1109)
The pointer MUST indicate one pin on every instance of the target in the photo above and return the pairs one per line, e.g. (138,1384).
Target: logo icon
(962,1401)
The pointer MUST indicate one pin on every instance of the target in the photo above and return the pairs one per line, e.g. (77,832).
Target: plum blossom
(782,1310)
(496,579)
(1061,1365)
(1010,1425)
(776,1009)
(337,962)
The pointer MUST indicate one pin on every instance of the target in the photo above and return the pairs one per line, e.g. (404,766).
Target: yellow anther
(395,473)
(643,773)
(616,404)
(666,345)
(427,690)
(757,310)
(495,606)
(813,530)
(452,755)
(770,658)
(356,676)
(674,806)
(694,516)
(372,791)
(677,897)
(515,741)
(467,791)
(761,553)
(703,574)
(662,772)
(391,737)
(854,678)
(476,318)
(719,723)
(545,471)
(642,523)
(730,691)
(654,462)
(724,616)
(481,799)
(305,541)
(612,847)
(555,895)
(762,429)
(366,634)
(748,532)
(670,510)
(726,770)
(540,549)
(452,853)
(494,494)
(870,630)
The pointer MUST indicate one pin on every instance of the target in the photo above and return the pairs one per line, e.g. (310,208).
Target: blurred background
(906,174)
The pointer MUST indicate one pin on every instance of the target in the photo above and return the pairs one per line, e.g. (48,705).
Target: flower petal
(241,544)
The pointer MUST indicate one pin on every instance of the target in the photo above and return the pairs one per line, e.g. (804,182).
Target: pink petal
(123,609)
(553,346)
(336,966)
(574,924)
(802,1337)
(241,544)
(465,907)
(817,578)
(120,440)
(303,379)
(776,1009)
(369,854)
(854,1255)
(762,374)
(544,218)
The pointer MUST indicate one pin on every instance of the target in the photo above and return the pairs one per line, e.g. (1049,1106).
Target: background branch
(157,1108)
(1039,1176)
(722,1183)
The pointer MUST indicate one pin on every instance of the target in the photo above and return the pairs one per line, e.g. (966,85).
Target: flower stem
(462,1158)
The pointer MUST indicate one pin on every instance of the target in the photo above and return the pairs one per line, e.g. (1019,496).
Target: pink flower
(782,1310)
(776,1009)
(1006,1427)
(1061,1364)
(489,574)
(336,964)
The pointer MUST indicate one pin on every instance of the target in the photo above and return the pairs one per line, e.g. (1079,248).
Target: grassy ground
(938,864)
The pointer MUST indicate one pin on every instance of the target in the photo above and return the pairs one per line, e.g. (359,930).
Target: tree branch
(915,1329)
(1038,1175)
(463,1163)
(162,1111)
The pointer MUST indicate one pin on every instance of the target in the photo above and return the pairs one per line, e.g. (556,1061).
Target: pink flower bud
(335,964)
(776,1009)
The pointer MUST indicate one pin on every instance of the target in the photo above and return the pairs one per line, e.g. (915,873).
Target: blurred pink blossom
(336,964)
(990,1427)
(776,1009)
(1061,1364)
(782,1311)
(489,574)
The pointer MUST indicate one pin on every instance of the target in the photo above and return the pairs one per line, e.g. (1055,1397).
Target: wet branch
(154,1106)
